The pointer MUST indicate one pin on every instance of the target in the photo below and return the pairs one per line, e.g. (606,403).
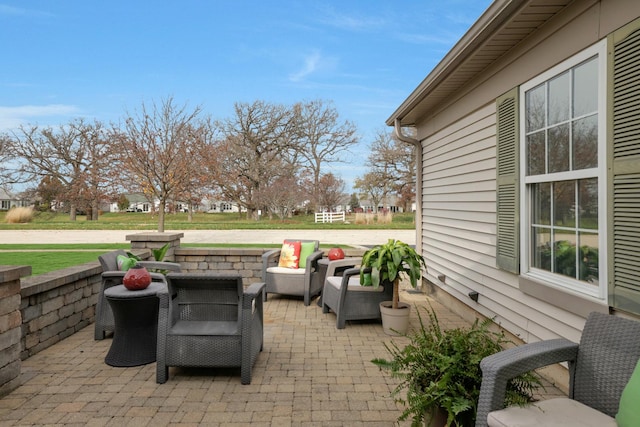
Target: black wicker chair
(209,321)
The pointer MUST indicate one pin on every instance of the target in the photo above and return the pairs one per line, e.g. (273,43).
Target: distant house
(9,200)
(138,202)
(528,133)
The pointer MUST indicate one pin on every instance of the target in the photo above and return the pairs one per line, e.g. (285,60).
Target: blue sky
(65,59)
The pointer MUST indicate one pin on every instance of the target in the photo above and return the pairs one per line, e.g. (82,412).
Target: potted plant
(440,376)
(388,263)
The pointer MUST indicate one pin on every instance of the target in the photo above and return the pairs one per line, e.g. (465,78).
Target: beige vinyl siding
(459,230)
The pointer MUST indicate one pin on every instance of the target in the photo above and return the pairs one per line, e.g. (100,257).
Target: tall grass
(385,217)
(19,215)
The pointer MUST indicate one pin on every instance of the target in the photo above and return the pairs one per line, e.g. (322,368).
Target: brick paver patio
(309,374)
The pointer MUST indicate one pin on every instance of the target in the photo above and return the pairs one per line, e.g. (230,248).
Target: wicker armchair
(111,276)
(209,321)
(349,300)
(599,368)
(304,282)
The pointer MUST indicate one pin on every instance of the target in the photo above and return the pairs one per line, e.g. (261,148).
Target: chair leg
(162,373)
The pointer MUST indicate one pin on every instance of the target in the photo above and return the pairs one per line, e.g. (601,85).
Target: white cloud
(20,11)
(13,117)
(311,64)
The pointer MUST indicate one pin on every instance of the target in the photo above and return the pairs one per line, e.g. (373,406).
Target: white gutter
(418,214)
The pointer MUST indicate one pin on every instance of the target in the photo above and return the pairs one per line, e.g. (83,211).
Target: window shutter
(507,182)
(623,181)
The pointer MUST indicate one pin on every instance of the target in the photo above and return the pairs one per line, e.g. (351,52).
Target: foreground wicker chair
(348,299)
(111,276)
(210,321)
(304,281)
(599,369)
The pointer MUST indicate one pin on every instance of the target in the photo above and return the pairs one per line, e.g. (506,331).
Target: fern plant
(439,370)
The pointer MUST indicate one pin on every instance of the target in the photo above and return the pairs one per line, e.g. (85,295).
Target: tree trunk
(161,217)
(396,293)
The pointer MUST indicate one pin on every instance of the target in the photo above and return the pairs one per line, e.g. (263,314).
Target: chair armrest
(499,368)
(346,262)
(254,290)
(271,256)
(113,274)
(312,260)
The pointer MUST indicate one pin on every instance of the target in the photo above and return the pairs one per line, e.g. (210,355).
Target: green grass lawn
(43,262)
(49,257)
(201,221)
(44,258)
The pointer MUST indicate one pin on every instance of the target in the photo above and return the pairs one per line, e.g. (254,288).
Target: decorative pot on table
(335,253)
(136,278)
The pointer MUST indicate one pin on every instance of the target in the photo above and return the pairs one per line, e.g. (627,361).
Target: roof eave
(493,18)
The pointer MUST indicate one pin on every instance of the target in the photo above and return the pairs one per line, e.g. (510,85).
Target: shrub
(385,217)
(19,215)
(364,218)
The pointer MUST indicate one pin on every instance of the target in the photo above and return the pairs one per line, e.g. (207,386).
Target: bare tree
(330,192)
(5,160)
(392,163)
(369,187)
(157,147)
(322,138)
(251,155)
(78,155)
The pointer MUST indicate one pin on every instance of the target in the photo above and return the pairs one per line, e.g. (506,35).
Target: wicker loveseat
(599,369)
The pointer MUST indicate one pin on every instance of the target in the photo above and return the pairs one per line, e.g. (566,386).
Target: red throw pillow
(290,254)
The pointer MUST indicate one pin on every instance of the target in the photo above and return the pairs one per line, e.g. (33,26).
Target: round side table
(136,325)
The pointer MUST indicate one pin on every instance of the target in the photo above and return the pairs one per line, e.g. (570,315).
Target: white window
(562,142)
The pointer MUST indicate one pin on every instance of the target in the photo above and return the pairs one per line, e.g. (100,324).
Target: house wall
(459,183)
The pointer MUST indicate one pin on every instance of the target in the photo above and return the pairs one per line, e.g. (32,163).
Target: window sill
(576,304)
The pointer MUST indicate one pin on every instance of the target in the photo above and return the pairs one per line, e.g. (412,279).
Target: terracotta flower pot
(137,278)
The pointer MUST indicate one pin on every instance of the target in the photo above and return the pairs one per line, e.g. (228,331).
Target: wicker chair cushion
(286,270)
(553,412)
(354,284)
(628,414)
(207,327)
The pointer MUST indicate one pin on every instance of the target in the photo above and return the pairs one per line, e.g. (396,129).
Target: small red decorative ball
(336,253)
(137,278)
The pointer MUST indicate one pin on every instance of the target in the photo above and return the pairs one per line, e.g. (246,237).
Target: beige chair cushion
(354,284)
(559,412)
(286,270)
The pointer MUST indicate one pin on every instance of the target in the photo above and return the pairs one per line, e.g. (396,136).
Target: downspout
(402,137)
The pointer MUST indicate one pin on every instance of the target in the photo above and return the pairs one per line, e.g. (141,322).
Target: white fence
(329,216)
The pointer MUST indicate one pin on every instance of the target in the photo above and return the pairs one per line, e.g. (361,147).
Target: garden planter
(395,321)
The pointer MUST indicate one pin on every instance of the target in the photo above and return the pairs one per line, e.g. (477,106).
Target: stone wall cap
(154,236)
(10,273)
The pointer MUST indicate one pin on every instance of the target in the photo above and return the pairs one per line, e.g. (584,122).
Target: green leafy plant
(389,262)
(440,371)
(159,253)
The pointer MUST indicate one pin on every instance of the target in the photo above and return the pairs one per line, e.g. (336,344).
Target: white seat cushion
(285,270)
(559,412)
(354,284)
